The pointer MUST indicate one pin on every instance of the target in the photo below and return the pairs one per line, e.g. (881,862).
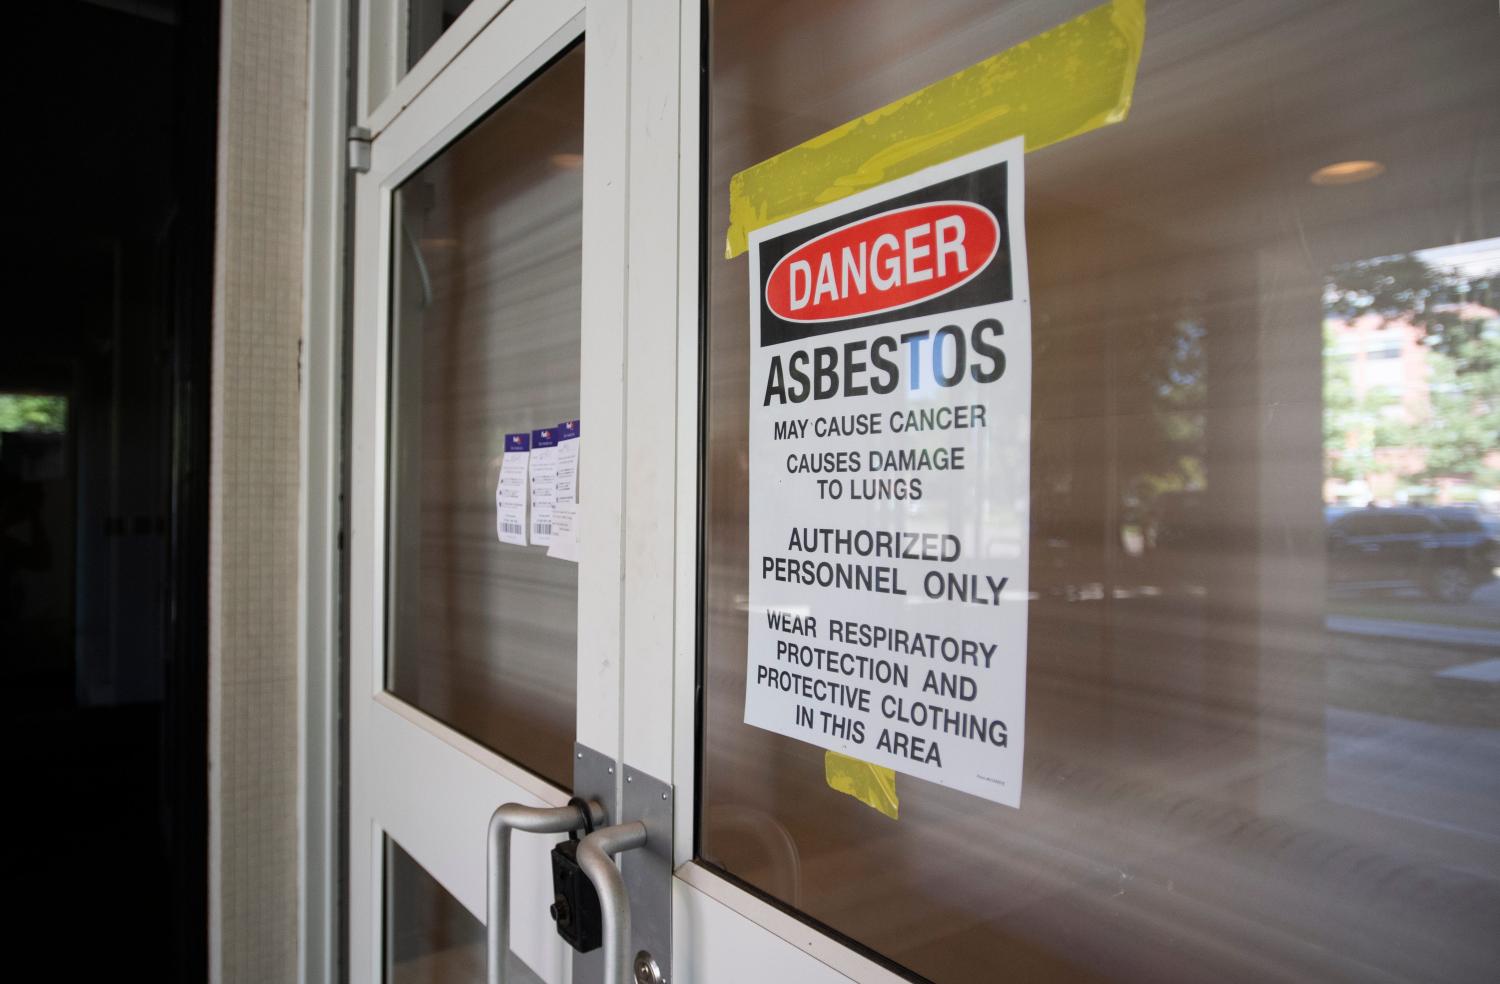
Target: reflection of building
(1384,356)
(1385,369)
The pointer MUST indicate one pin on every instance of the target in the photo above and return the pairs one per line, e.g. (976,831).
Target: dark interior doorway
(104,390)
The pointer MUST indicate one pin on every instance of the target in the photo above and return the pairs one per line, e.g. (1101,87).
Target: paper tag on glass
(543,483)
(567,461)
(564,543)
(510,490)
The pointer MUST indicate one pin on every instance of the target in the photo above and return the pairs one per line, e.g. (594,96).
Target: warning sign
(890,434)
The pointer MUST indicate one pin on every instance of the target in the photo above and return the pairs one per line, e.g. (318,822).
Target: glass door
(1262,715)
(527,254)
(466,686)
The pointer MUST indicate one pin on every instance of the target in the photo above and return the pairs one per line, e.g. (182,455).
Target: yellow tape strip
(1078,76)
(872,785)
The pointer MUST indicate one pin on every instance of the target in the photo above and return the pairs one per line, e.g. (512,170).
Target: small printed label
(510,489)
(543,483)
(564,543)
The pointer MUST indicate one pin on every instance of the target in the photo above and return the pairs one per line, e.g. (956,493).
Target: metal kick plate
(648,870)
(593,778)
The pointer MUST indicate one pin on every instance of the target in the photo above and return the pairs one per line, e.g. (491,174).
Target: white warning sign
(890,462)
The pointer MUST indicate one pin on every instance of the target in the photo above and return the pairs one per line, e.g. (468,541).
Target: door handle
(594,854)
(536,820)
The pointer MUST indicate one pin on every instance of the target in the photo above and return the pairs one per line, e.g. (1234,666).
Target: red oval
(884,262)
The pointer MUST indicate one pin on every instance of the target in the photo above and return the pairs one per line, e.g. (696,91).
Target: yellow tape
(1078,76)
(872,785)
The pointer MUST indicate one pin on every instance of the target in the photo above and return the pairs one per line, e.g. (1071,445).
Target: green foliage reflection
(33,413)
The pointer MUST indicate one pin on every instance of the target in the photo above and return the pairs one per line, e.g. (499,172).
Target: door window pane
(1253,752)
(426,20)
(430,938)
(485,338)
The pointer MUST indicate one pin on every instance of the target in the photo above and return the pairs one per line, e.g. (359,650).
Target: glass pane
(486,301)
(430,938)
(1254,750)
(426,20)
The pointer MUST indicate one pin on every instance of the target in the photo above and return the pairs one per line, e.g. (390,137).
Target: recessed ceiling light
(1347,172)
(568,162)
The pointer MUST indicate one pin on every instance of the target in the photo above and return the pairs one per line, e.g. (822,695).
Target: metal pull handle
(536,820)
(594,853)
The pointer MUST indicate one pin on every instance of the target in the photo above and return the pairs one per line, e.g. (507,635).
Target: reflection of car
(1444,551)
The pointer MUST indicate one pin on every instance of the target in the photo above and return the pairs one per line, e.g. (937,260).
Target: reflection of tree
(1409,289)
(1462,423)
(1393,286)
(32,412)
(1172,366)
(1456,425)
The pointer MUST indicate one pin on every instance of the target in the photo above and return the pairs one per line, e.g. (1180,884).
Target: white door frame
(412,777)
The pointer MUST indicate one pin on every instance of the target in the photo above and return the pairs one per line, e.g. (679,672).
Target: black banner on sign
(985,187)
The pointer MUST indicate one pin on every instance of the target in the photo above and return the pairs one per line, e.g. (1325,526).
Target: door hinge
(359,149)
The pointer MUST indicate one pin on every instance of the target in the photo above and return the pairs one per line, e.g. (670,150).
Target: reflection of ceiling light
(568,162)
(1347,173)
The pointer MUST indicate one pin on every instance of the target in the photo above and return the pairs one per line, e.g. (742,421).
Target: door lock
(575,907)
(646,969)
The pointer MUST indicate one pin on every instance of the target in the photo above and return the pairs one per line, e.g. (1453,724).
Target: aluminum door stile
(601,556)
